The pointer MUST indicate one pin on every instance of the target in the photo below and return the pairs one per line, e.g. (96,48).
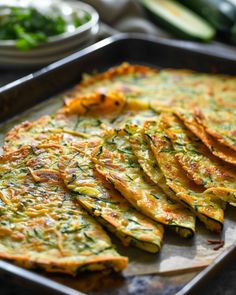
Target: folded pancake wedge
(221,151)
(42,225)
(70,127)
(142,83)
(117,163)
(144,156)
(170,87)
(106,204)
(187,192)
(201,166)
(220,124)
(26,133)
(86,115)
(165,88)
(127,80)
(146,159)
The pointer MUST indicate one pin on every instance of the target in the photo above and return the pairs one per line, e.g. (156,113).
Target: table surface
(222,283)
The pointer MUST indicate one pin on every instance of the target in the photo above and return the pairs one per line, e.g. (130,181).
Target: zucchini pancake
(210,212)
(209,171)
(105,203)
(133,151)
(41,222)
(118,164)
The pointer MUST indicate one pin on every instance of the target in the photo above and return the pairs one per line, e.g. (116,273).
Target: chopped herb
(103,250)
(89,238)
(100,150)
(155,196)
(73,178)
(29,27)
(131,220)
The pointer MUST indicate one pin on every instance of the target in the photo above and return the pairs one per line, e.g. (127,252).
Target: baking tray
(62,75)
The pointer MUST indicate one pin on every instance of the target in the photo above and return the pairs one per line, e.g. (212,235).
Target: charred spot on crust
(102,97)
(117,103)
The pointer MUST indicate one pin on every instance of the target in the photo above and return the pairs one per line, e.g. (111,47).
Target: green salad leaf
(29,27)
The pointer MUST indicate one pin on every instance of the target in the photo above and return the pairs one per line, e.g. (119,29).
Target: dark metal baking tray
(62,75)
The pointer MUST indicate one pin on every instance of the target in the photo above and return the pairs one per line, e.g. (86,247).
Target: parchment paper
(177,254)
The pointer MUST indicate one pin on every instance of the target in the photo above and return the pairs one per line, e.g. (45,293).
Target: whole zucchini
(220,13)
(233,34)
(178,19)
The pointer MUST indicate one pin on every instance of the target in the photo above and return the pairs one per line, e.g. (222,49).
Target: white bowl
(57,46)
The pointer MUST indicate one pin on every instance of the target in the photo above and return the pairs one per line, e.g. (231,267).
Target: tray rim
(52,285)
(37,279)
(189,46)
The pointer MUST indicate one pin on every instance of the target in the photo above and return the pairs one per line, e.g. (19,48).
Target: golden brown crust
(88,84)
(102,201)
(69,267)
(95,104)
(220,124)
(41,222)
(15,139)
(115,161)
(217,149)
(123,69)
(115,99)
(187,192)
(199,163)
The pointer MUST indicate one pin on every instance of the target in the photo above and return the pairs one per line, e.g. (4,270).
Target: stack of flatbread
(133,152)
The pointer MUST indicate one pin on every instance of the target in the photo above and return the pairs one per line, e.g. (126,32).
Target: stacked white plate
(56,47)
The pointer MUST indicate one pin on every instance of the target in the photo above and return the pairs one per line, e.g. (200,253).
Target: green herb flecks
(29,27)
